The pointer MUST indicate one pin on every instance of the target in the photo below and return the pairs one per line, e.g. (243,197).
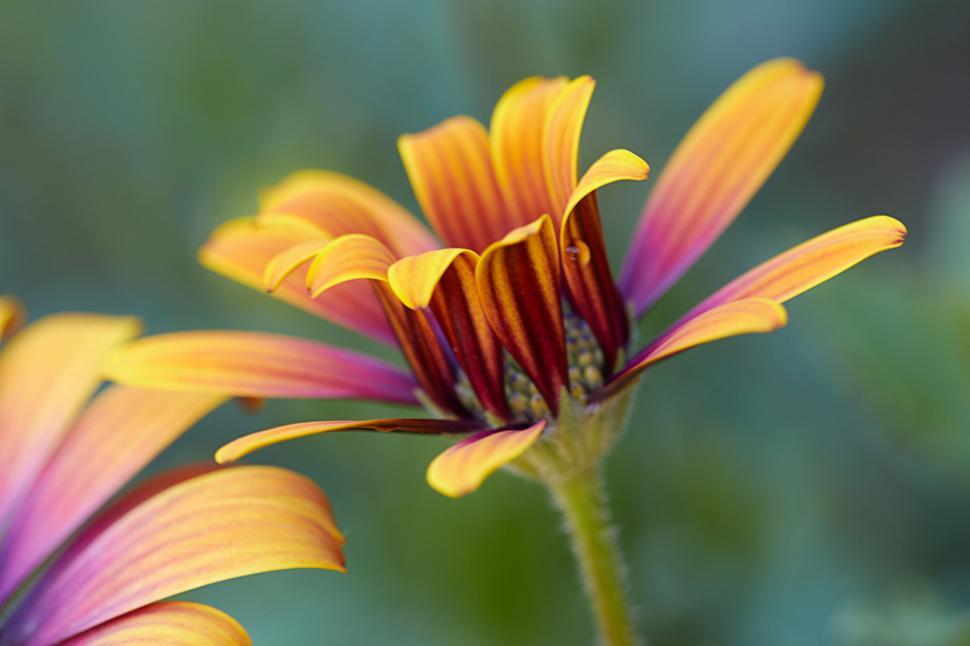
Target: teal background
(807,487)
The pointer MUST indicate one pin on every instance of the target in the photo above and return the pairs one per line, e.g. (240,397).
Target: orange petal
(340,205)
(716,170)
(560,138)
(256,441)
(242,249)
(445,280)
(167,622)
(116,436)
(347,258)
(731,319)
(462,468)
(518,147)
(518,283)
(214,527)
(813,262)
(47,373)
(11,316)
(253,364)
(586,266)
(450,168)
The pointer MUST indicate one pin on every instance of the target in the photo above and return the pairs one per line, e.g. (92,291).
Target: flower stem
(583,501)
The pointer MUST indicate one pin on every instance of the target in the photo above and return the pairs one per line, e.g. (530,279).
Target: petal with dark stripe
(451,172)
(718,167)
(461,469)
(586,266)
(518,283)
(256,441)
(444,280)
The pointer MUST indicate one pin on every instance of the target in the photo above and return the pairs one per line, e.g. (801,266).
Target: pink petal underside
(114,438)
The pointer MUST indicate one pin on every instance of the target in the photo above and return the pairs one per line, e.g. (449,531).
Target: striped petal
(462,468)
(255,441)
(813,262)
(355,257)
(214,527)
(243,249)
(560,138)
(167,622)
(11,316)
(586,266)
(340,205)
(47,373)
(748,316)
(450,168)
(445,280)
(347,258)
(716,170)
(118,434)
(518,283)
(518,146)
(253,364)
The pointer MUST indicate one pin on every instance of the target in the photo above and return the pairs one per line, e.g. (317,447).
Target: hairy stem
(583,501)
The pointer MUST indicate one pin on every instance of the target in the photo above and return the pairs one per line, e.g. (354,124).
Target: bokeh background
(808,487)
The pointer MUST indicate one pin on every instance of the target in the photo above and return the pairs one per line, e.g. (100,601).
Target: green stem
(585,507)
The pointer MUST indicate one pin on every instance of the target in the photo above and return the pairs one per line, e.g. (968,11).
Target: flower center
(585,360)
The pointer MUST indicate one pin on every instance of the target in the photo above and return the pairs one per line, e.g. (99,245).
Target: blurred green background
(808,487)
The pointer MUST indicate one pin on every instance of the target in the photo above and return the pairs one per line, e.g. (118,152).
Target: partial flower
(511,324)
(72,574)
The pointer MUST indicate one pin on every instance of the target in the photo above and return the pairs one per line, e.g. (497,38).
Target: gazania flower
(514,314)
(68,576)
(508,317)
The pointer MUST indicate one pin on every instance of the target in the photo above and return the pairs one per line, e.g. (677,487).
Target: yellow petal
(715,171)
(167,622)
(283,264)
(242,249)
(342,205)
(11,316)
(560,136)
(450,168)
(813,262)
(415,278)
(47,373)
(462,468)
(347,258)
(255,441)
(518,148)
(616,165)
(210,528)
(748,316)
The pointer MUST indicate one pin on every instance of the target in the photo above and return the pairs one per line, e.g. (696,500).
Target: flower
(74,577)
(513,328)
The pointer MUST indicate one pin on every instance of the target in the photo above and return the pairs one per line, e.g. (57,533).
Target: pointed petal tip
(462,468)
